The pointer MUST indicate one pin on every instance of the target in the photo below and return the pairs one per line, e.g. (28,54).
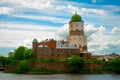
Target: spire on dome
(76,17)
(75,12)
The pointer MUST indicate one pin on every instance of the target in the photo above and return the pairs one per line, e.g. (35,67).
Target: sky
(23,20)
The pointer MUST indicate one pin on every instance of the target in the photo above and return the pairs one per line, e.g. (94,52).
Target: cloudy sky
(23,20)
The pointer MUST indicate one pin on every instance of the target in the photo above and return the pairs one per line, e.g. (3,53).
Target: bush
(115,65)
(23,67)
(96,61)
(76,63)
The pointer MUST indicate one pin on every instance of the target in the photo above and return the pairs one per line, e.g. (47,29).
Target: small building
(106,57)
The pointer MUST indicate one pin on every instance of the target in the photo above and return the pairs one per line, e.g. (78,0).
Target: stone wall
(10,68)
(92,66)
(77,32)
(59,66)
(52,65)
(63,65)
(55,53)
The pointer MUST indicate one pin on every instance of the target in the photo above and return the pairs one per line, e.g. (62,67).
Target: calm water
(7,76)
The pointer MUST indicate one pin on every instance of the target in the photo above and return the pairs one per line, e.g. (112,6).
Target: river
(9,76)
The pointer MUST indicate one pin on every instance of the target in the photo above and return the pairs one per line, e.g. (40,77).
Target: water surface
(9,76)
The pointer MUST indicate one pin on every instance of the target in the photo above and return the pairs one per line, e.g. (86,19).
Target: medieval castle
(76,43)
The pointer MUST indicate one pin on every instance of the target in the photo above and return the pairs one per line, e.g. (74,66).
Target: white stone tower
(76,33)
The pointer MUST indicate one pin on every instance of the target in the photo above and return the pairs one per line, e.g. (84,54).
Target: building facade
(76,43)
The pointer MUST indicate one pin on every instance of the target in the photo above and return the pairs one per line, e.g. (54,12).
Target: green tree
(11,55)
(19,53)
(29,54)
(4,61)
(23,67)
(96,61)
(115,65)
(1,60)
(76,63)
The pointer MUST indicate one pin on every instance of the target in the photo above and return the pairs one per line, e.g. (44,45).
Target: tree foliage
(11,54)
(114,65)
(29,54)
(23,67)
(4,61)
(19,53)
(76,63)
(96,61)
(22,53)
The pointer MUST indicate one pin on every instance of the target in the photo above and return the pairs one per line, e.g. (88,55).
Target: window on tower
(71,25)
(76,25)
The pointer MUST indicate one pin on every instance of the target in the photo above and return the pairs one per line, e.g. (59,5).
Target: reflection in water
(8,76)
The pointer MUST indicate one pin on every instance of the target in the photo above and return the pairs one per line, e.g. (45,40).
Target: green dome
(35,40)
(76,17)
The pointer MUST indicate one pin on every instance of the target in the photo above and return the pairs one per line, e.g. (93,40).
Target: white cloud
(5,10)
(92,32)
(62,32)
(13,38)
(36,4)
(83,10)
(27,27)
(112,45)
(60,7)
(28,43)
(115,30)
(91,29)
(46,18)
(14,35)
(101,42)
(94,1)
(93,11)
(73,9)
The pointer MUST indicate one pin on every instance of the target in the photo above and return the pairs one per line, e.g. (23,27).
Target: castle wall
(55,53)
(62,65)
(52,65)
(59,66)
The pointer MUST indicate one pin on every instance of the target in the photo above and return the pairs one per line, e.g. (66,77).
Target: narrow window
(76,29)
